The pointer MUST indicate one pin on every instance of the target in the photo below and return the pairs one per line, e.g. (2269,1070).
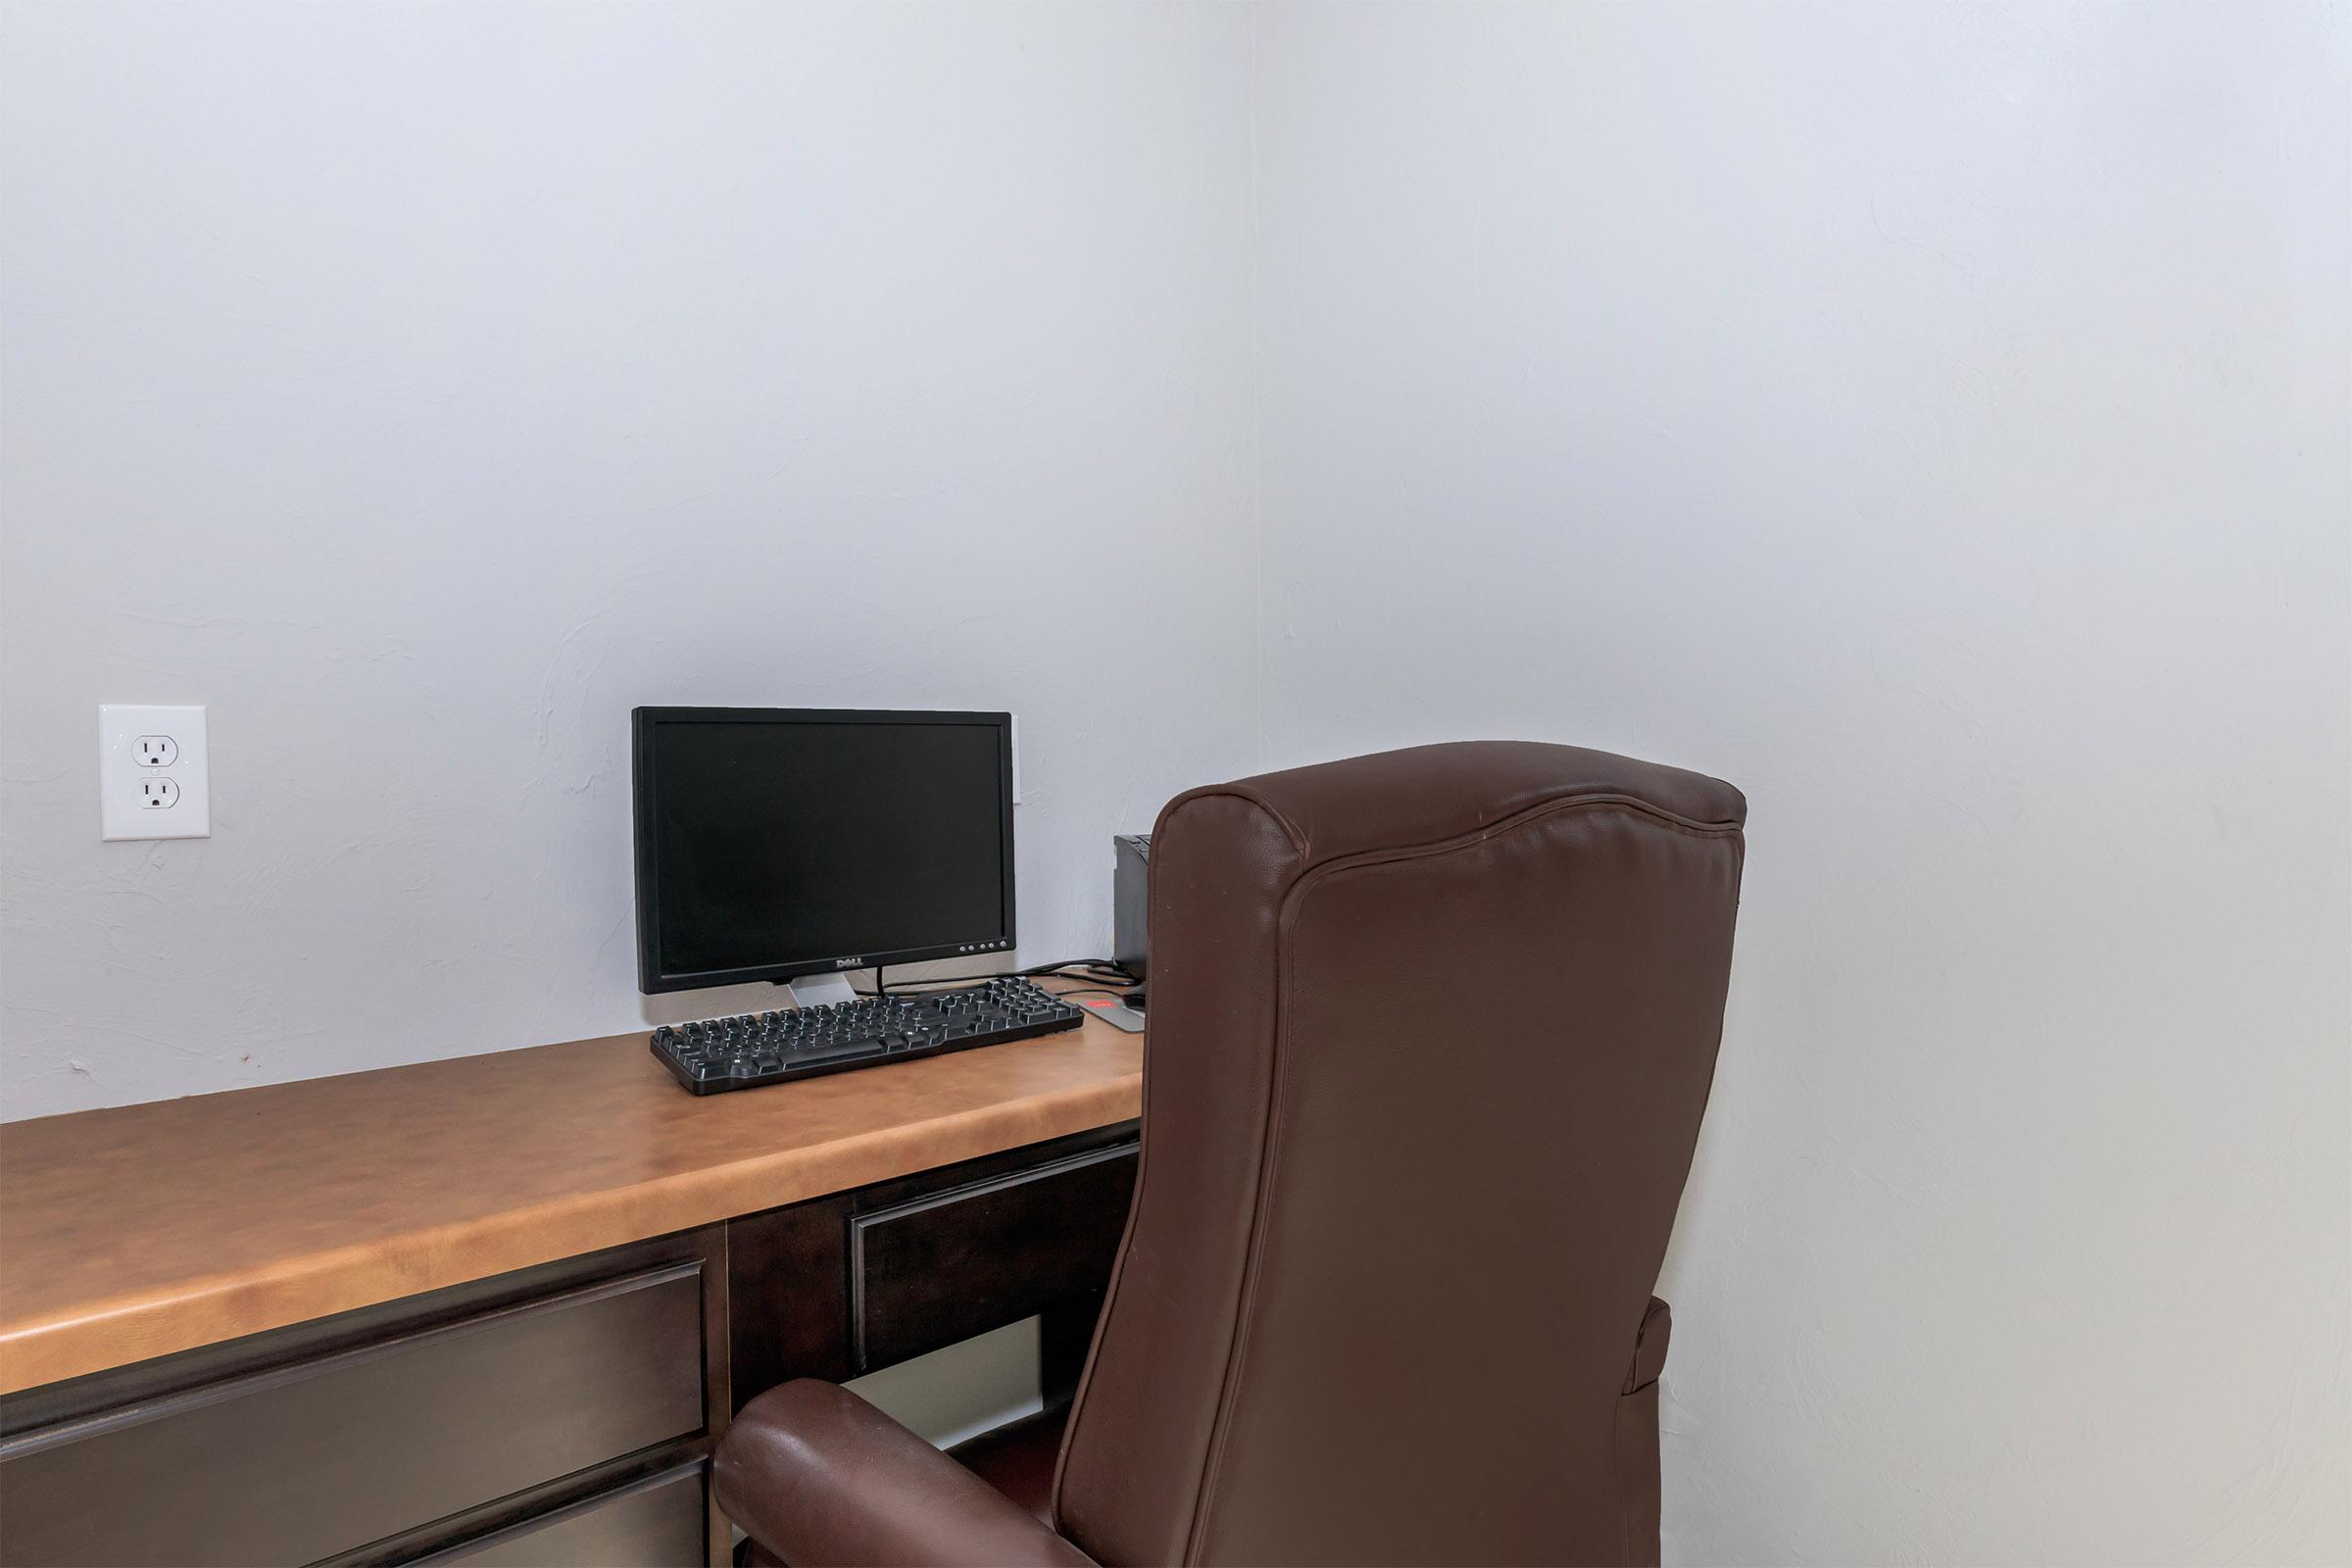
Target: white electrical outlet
(153,781)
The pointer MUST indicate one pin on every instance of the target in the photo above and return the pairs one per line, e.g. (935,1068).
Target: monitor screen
(782,842)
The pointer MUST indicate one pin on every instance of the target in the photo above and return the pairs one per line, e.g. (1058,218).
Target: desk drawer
(653,1524)
(949,1264)
(320,1458)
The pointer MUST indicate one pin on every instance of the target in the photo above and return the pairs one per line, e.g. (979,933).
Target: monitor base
(820,990)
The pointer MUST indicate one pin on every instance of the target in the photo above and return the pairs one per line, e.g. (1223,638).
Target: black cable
(1073,963)
(1105,969)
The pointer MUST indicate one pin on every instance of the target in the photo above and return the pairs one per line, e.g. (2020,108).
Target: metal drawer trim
(138,1413)
(523,1529)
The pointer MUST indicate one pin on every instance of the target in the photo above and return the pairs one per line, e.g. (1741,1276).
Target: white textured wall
(1935,420)
(423,386)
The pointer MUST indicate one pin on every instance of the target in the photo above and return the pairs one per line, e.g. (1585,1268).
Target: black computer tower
(1130,901)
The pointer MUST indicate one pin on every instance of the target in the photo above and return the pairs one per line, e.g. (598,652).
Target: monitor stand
(821,990)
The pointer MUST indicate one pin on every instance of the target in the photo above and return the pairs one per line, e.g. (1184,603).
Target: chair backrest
(1431,1034)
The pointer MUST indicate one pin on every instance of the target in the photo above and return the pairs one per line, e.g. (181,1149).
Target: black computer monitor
(775,841)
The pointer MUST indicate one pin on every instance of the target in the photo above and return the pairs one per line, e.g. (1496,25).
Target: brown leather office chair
(1431,1034)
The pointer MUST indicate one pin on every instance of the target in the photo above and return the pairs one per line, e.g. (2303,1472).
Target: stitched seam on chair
(1202,1486)
(1269,1151)
(1519,819)
(1143,1166)
(1236,792)
(1365,858)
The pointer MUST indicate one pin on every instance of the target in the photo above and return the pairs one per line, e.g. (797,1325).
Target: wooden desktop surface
(142,1230)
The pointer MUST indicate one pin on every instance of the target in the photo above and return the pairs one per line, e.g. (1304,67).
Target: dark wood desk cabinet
(560,1413)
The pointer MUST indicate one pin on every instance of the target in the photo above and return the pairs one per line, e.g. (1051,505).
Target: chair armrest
(820,1477)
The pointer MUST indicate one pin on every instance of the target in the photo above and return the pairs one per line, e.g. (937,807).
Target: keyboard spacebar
(868,1047)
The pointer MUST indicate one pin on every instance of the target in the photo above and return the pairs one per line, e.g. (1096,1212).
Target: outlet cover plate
(126,808)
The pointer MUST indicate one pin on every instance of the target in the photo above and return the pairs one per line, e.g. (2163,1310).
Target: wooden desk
(503,1305)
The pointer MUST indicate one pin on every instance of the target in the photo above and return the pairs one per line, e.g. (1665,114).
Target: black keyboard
(752,1049)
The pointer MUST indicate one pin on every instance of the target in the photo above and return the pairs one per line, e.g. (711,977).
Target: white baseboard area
(966,1389)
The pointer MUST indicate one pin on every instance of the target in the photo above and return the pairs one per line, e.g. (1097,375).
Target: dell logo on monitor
(849,964)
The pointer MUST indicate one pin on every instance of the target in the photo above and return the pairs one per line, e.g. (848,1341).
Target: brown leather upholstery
(816,1475)
(1020,1459)
(1431,1035)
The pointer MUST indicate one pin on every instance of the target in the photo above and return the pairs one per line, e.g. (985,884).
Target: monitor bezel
(652,981)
